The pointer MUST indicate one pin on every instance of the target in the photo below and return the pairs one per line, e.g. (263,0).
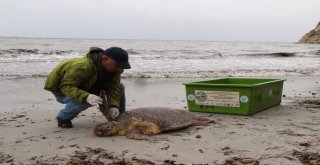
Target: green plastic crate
(237,96)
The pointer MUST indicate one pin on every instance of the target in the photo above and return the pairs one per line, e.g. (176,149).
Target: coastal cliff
(313,37)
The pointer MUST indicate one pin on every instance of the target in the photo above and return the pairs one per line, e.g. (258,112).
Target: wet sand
(29,132)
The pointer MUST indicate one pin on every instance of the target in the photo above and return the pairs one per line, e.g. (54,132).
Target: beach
(29,133)
(206,82)
(284,134)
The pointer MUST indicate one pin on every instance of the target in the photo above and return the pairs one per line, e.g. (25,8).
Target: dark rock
(307,157)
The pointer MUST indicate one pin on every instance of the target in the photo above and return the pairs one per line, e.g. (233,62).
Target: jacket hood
(95,55)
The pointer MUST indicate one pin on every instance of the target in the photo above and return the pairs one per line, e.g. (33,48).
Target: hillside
(312,37)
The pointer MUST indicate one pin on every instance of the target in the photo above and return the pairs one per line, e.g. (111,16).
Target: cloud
(232,20)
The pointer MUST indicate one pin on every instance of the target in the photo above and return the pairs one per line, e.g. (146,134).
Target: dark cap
(120,56)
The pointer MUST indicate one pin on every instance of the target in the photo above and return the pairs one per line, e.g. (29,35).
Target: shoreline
(29,131)
(28,93)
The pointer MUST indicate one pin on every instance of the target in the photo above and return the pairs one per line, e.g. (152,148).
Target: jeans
(73,108)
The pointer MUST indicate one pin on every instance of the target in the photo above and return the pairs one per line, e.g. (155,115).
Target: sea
(36,57)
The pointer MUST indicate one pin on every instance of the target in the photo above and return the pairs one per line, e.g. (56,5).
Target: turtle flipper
(139,136)
(142,130)
(143,126)
(136,135)
(201,121)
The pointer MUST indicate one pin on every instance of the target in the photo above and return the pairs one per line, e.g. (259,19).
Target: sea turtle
(137,123)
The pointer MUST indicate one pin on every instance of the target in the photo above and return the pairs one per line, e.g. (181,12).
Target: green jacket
(76,77)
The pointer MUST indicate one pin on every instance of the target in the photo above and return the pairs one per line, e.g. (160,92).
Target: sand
(29,132)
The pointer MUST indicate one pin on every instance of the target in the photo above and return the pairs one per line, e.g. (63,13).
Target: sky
(213,20)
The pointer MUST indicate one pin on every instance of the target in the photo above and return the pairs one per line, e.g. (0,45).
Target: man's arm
(113,91)
(71,81)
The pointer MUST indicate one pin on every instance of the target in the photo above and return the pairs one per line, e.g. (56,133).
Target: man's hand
(94,100)
(114,112)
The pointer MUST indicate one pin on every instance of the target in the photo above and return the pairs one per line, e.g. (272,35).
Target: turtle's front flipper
(136,135)
(142,130)
(201,121)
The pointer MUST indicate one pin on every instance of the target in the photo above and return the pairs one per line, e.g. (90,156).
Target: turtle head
(107,129)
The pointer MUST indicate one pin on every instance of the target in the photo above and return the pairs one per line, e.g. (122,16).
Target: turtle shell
(166,119)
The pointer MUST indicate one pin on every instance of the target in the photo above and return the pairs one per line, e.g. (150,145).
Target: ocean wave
(131,51)
(193,74)
(217,55)
(22,76)
(35,55)
(221,73)
(15,52)
(27,55)
(174,57)
(277,54)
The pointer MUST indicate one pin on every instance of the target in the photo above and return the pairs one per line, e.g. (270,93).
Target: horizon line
(80,38)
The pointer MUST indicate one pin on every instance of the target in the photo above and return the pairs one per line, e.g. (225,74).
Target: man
(77,82)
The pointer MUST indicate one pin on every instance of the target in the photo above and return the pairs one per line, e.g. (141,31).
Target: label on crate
(217,98)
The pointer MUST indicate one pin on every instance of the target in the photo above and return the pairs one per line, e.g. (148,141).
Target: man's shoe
(64,123)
